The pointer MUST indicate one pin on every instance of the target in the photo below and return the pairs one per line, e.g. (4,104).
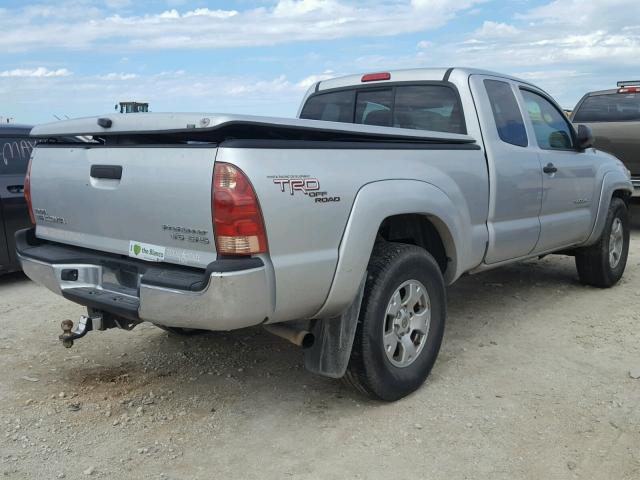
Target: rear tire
(602,264)
(401,322)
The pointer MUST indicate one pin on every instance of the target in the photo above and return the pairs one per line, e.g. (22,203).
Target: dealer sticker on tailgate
(146,251)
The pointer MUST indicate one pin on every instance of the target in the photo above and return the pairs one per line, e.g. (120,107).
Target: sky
(71,58)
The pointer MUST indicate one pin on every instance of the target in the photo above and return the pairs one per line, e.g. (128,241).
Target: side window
(506,113)
(332,107)
(552,129)
(373,107)
(14,155)
(428,107)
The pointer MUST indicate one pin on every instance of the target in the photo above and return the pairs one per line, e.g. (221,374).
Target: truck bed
(214,128)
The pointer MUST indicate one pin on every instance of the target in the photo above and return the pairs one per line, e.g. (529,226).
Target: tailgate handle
(110,172)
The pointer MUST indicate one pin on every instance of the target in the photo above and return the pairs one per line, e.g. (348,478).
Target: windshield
(613,107)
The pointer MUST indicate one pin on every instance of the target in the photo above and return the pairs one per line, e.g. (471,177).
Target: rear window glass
(373,107)
(332,107)
(430,107)
(613,107)
(506,113)
(417,107)
(14,155)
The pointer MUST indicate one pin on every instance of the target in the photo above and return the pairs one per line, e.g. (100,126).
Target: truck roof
(601,92)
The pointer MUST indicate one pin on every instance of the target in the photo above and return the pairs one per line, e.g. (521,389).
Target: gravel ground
(534,381)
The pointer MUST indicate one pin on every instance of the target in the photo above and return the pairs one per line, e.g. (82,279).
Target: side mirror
(584,137)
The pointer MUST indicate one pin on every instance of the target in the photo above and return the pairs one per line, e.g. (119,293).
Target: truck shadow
(635,215)
(249,368)
(12,278)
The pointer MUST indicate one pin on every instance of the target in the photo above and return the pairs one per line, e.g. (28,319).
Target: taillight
(27,193)
(629,90)
(237,218)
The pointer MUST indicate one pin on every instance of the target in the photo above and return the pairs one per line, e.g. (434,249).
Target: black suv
(15,150)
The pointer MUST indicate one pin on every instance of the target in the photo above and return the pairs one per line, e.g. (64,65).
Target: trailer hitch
(85,325)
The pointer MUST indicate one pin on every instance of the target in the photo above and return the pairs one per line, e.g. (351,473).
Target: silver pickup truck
(338,230)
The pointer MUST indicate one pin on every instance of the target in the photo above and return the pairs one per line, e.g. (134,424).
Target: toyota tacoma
(338,230)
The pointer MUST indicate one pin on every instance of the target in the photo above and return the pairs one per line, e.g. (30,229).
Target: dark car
(614,118)
(15,150)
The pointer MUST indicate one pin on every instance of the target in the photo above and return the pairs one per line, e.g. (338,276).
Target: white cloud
(306,82)
(292,8)
(205,12)
(285,22)
(278,84)
(119,76)
(566,46)
(40,72)
(165,91)
(491,29)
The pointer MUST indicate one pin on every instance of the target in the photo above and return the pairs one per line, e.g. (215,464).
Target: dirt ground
(534,381)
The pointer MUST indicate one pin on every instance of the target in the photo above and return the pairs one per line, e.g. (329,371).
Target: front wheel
(602,264)
(401,322)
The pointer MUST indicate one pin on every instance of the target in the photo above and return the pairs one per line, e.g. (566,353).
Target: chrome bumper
(636,186)
(229,301)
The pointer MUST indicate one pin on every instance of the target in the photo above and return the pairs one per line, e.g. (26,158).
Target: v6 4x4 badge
(305,185)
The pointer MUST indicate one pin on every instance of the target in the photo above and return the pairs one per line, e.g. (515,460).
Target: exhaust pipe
(301,338)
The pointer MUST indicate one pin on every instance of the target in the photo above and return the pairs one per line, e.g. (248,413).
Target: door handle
(550,168)
(110,172)
(15,188)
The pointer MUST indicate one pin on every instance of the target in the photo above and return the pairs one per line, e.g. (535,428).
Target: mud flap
(331,350)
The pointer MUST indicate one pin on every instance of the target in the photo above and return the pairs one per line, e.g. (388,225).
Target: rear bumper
(636,186)
(228,295)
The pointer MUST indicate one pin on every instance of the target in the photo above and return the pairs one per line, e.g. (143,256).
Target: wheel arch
(387,207)
(614,184)
(425,231)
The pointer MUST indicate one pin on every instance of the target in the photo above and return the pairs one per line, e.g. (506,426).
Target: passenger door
(515,173)
(568,180)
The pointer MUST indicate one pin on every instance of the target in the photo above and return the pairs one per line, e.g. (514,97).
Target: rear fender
(377,201)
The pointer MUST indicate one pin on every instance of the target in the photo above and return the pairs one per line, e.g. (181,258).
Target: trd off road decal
(304,184)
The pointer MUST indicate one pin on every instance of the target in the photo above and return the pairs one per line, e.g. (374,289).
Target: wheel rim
(406,324)
(616,242)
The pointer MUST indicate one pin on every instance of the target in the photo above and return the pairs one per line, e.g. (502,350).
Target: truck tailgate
(146,202)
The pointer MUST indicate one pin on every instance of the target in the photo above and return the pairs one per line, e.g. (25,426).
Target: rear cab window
(14,154)
(434,107)
(610,107)
(506,113)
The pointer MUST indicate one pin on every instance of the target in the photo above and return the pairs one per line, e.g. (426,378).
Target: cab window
(418,107)
(331,107)
(373,107)
(428,107)
(506,113)
(551,127)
